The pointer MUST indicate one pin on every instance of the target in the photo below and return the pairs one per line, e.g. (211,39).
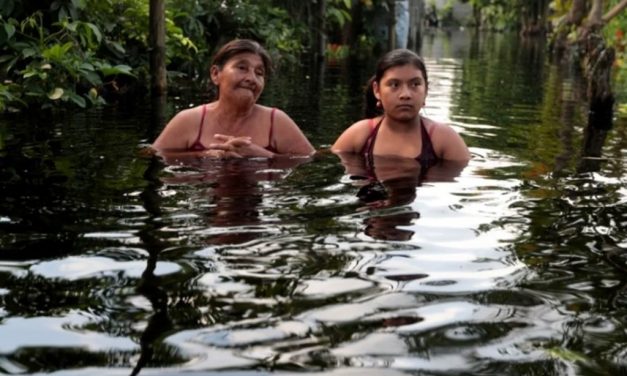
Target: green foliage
(203,25)
(614,33)
(498,14)
(271,25)
(49,57)
(338,12)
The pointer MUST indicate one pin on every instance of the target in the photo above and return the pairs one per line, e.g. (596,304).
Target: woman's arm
(179,133)
(287,138)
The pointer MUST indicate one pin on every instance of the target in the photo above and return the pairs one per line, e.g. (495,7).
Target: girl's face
(402,91)
(242,77)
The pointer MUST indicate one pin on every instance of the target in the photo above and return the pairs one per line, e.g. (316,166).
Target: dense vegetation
(86,52)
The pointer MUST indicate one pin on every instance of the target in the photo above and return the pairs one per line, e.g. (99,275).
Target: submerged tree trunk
(391,25)
(158,84)
(574,18)
(416,21)
(596,60)
(534,17)
(601,103)
(317,26)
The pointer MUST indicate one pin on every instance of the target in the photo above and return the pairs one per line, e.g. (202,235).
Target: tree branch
(595,16)
(614,11)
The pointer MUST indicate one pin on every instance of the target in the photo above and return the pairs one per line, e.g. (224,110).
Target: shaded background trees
(87,52)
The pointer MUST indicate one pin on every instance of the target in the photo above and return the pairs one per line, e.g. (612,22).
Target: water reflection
(387,183)
(515,264)
(228,193)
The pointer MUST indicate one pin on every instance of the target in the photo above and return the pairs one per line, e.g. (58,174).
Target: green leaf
(117,47)
(80,4)
(28,52)
(567,355)
(29,74)
(56,52)
(95,30)
(71,26)
(118,69)
(91,77)
(77,99)
(9,29)
(57,93)
(87,66)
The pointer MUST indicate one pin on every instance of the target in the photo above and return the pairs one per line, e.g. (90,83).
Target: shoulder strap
(271,126)
(427,155)
(374,129)
(200,126)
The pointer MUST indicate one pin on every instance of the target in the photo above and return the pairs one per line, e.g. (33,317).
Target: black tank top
(427,156)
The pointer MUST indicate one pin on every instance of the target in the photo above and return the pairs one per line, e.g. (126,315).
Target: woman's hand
(236,147)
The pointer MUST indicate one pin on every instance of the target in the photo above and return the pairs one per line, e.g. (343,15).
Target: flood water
(116,263)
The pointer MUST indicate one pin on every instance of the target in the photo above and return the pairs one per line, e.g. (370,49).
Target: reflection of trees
(501,85)
(573,221)
(232,191)
(149,285)
(541,109)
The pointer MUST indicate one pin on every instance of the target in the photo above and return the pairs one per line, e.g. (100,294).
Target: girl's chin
(404,116)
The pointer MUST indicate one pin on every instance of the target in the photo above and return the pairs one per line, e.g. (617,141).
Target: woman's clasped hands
(226,146)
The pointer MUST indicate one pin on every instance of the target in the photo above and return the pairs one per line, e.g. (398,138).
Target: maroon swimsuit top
(427,156)
(198,146)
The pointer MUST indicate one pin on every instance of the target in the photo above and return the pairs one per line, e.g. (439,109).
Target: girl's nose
(405,92)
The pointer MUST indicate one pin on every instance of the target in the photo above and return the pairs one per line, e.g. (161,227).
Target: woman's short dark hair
(236,47)
(394,58)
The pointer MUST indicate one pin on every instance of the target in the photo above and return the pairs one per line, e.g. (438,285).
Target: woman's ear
(214,72)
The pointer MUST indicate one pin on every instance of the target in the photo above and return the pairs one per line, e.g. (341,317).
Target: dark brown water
(113,263)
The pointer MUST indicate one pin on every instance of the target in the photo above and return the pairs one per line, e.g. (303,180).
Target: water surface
(112,262)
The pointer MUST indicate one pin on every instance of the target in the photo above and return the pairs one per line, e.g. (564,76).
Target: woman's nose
(251,75)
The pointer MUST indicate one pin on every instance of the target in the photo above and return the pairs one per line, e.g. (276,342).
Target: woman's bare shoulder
(189,114)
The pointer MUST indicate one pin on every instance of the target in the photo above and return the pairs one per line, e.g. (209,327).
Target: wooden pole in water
(391,25)
(158,81)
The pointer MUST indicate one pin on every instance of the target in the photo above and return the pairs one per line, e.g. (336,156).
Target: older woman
(234,125)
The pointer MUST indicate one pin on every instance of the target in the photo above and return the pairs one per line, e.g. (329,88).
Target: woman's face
(402,91)
(241,78)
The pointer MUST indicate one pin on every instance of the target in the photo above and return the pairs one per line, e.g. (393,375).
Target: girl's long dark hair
(394,58)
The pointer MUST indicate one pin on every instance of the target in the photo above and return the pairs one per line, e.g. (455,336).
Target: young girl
(394,126)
